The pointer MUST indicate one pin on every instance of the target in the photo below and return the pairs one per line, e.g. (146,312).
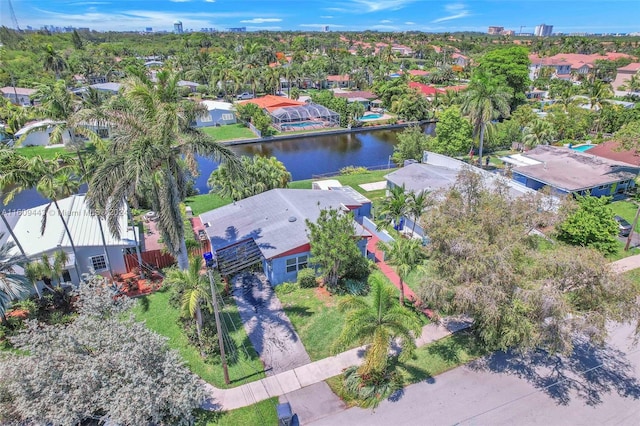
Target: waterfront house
(18,95)
(220,113)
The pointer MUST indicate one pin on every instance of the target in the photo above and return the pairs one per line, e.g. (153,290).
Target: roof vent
(292,219)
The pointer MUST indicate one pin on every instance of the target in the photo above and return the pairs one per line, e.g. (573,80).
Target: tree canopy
(453,133)
(510,67)
(522,291)
(99,367)
(260,174)
(412,142)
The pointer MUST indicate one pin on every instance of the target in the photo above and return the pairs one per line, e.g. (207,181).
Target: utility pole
(633,228)
(521,27)
(216,313)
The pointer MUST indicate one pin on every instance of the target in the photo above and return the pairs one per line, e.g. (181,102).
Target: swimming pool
(300,125)
(370,117)
(582,148)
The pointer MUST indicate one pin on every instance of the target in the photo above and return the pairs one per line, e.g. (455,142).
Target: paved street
(594,387)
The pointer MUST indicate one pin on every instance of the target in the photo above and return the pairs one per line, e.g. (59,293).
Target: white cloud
(209,1)
(265,28)
(179,1)
(335,9)
(260,20)
(88,3)
(386,21)
(455,10)
(320,25)
(327,17)
(378,5)
(383,27)
(409,23)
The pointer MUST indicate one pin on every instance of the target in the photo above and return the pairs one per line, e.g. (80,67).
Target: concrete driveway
(595,386)
(266,324)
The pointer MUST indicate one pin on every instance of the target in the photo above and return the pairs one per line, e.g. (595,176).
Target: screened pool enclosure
(304,117)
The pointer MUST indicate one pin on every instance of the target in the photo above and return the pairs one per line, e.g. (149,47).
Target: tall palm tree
(406,255)
(195,290)
(53,179)
(596,95)
(53,61)
(153,150)
(484,101)
(418,203)
(12,285)
(377,322)
(394,206)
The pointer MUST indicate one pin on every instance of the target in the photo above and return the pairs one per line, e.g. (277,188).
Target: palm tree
(53,61)
(484,101)
(153,150)
(194,286)
(377,322)
(540,132)
(12,285)
(53,179)
(597,94)
(418,202)
(394,207)
(406,255)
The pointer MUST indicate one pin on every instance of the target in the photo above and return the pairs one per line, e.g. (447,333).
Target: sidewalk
(315,372)
(626,264)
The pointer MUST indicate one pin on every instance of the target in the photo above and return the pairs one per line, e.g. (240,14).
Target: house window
(296,263)
(227,117)
(98,263)
(66,276)
(603,186)
(206,118)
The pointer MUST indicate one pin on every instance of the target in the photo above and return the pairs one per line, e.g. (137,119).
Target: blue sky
(566,16)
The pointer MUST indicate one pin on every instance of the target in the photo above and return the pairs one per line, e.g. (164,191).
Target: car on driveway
(245,95)
(624,227)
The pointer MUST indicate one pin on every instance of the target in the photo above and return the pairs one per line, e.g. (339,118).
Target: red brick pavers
(392,275)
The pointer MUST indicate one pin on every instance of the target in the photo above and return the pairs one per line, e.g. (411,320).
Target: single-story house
(270,228)
(220,113)
(624,74)
(336,81)
(192,85)
(85,232)
(112,88)
(438,172)
(568,171)
(38,133)
(18,95)
(613,151)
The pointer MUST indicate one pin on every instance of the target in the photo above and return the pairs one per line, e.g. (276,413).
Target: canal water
(303,157)
(319,155)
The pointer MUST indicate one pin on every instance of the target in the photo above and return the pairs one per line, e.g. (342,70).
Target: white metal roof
(519,160)
(211,105)
(83,226)
(327,184)
(31,126)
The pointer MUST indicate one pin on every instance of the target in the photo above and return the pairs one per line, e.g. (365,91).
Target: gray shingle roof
(274,219)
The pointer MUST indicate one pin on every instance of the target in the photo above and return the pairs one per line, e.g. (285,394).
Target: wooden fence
(159,258)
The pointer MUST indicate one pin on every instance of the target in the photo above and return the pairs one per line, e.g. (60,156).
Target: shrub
(307,278)
(286,288)
(353,170)
(356,287)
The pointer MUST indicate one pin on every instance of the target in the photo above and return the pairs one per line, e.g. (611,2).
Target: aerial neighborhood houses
(567,65)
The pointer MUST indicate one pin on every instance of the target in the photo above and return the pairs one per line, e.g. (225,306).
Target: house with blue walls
(568,171)
(220,114)
(270,229)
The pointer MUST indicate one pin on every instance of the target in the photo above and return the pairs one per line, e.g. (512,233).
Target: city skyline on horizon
(566,16)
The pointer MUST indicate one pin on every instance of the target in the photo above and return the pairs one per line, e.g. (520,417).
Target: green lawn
(48,153)
(430,360)
(627,210)
(205,202)
(229,132)
(262,413)
(162,318)
(315,318)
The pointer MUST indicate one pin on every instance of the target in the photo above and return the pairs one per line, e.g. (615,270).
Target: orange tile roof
(633,67)
(271,102)
(338,78)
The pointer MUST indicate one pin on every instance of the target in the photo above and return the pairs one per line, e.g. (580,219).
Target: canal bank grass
(161,317)
(229,132)
(429,361)
(50,153)
(261,413)
(205,202)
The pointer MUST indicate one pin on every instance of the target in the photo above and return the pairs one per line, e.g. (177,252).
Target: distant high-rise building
(509,33)
(177,27)
(495,30)
(148,29)
(237,30)
(325,28)
(543,30)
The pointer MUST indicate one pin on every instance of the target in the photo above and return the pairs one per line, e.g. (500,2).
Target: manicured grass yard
(49,153)
(262,413)
(205,202)
(229,132)
(627,210)
(431,360)
(162,318)
(315,316)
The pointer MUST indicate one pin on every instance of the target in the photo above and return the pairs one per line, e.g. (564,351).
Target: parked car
(245,95)
(624,227)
